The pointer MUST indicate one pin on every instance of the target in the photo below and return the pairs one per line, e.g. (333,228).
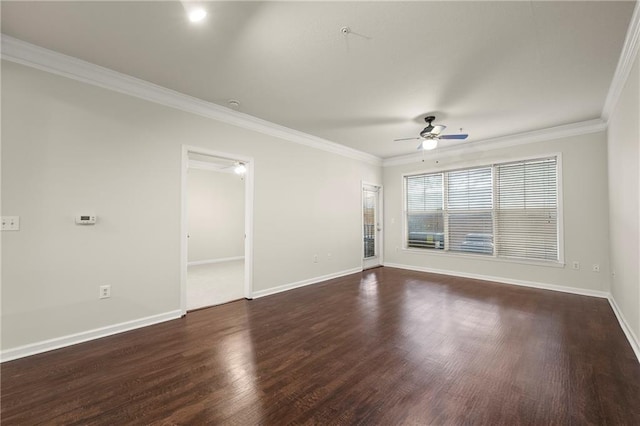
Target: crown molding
(28,54)
(567,130)
(625,63)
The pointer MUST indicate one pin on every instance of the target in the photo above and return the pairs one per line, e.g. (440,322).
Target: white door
(371,226)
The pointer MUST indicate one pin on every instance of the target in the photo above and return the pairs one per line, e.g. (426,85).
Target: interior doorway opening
(217,212)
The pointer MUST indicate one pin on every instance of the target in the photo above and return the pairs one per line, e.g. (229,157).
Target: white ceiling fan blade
(437,129)
(405,139)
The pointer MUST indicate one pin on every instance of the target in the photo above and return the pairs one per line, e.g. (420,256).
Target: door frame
(248,218)
(380,216)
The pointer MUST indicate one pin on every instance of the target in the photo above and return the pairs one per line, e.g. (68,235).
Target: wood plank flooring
(386,346)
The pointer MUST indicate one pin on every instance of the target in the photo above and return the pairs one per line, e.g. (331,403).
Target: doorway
(217,216)
(372,236)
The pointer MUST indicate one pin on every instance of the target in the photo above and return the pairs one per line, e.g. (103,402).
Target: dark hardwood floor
(383,347)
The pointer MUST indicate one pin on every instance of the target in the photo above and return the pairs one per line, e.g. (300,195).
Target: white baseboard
(631,337)
(523,283)
(219,260)
(84,336)
(315,280)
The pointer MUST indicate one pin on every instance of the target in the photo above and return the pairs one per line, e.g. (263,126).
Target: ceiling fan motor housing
(427,130)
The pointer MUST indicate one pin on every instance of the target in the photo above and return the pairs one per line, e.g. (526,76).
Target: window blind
(507,210)
(425,218)
(469,208)
(527,209)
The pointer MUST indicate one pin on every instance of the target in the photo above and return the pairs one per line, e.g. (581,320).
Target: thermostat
(85,220)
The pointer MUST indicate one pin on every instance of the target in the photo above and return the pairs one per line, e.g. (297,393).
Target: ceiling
(490,68)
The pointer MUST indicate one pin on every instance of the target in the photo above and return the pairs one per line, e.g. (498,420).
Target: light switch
(10,223)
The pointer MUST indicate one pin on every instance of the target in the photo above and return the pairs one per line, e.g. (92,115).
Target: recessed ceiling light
(197,15)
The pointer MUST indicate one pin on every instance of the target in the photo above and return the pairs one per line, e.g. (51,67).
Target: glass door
(371,226)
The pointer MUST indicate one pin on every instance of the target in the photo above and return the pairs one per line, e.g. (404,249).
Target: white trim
(476,256)
(218,260)
(479,162)
(248,218)
(625,63)
(631,337)
(28,54)
(568,130)
(184,227)
(512,281)
(303,283)
(248,227)
(560,207)
(203,165)
(84,336)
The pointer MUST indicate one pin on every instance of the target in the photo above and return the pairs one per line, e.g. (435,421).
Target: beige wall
(624,196)
(70,148)
(584,172)
(216,215)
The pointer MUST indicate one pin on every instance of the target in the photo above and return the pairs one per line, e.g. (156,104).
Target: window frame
(479,164)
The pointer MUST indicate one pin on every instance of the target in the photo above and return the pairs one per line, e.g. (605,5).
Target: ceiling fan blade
(406,139)
(437,129)
(460,136)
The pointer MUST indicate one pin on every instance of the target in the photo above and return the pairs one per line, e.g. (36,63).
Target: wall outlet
(105,291)
(575,264)
(329,256)
(315,258)
(596,267)
(10,223)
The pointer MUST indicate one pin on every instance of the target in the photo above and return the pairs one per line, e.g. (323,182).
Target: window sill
(434,252)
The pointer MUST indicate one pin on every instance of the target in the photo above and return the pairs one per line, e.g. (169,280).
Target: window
(507,210)
(527,209)
(425,216)
(470,211)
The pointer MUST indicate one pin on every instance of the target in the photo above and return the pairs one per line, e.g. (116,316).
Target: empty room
(332,212)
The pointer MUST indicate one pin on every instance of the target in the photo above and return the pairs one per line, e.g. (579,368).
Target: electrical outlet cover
(10,223)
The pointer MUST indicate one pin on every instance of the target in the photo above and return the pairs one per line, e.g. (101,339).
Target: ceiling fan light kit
(429,144)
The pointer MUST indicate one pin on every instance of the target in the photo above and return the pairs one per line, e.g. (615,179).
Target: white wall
(624,200)
(584,171)
(216,215)
(70,148)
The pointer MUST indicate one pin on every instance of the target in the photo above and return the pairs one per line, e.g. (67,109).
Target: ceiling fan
(430,135)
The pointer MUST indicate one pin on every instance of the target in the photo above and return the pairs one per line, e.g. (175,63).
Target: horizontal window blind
(507,210)
(425,216)
(469,209)
(527,209)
